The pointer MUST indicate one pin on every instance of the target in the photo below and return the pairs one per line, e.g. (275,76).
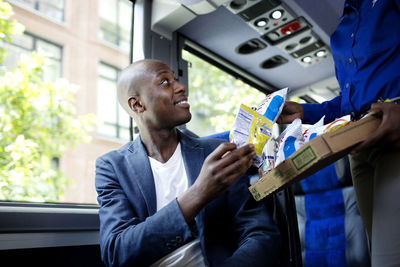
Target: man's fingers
(231,172)
(237,154)
(286,119)
(222,150)
(377,135)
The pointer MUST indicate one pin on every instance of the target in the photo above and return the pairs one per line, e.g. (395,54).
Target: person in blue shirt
(366,52)
(169,199)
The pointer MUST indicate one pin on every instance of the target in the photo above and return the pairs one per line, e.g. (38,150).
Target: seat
(330,227)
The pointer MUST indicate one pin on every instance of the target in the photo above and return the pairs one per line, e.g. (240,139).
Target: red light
(292,27)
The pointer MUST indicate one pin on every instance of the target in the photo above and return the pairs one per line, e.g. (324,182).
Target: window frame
(35,39)
(36,10)
(34,225)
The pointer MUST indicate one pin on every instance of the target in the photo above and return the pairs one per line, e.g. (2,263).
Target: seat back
(330,227)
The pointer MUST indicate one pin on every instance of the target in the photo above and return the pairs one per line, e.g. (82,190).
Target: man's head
(148,91)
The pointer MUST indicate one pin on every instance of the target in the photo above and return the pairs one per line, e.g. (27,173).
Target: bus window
(59,110)
(215,97)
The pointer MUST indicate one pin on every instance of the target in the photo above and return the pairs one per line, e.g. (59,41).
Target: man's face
(164,98)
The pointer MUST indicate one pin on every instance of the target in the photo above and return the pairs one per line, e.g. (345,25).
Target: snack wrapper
(314,130)
(319,128)
(251,128)
(290,140)
(268,156)
(271,107)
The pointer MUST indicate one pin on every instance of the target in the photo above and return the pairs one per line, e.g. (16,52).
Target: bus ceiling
(280,43)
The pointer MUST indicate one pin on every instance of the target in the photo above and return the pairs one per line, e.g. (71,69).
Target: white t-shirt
(171,181)
(170,178)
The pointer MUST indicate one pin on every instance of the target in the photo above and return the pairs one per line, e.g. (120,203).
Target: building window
(53,9)
(23,45)
(115,120)
(115,22)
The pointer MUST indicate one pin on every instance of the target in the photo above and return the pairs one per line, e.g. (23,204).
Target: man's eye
(165,82)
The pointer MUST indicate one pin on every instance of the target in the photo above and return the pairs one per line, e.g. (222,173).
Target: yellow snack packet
(251,128)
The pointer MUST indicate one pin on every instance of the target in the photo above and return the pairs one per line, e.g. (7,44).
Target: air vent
(298,41)
(250,46)
(273,62)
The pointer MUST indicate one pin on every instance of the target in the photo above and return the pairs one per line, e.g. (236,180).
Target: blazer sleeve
(258,236)
(127,239)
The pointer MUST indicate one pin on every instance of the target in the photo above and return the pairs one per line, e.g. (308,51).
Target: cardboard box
(314,156)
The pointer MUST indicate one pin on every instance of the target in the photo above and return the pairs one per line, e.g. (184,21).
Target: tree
(215,97)
(37,124)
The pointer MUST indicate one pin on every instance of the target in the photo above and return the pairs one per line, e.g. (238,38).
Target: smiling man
(167,199)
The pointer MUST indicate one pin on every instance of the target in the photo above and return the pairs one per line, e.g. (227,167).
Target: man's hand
(291,111)
(388,132)
(220,170)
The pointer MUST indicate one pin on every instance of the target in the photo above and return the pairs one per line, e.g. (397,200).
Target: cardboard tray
(314,156)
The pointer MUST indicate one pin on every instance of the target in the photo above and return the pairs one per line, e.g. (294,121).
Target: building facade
(88,44)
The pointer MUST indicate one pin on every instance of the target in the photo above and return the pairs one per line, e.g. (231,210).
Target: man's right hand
(291,111)
(220,170)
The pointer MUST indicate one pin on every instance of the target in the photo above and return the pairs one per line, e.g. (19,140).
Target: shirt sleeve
(314,112)
(125,238)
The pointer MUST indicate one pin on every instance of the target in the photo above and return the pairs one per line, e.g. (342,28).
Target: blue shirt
(366,51)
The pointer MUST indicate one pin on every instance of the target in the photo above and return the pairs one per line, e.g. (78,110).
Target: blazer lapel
(141,169)
(193,157)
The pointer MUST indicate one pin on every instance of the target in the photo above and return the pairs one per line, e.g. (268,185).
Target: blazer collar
(140,167)
(193,158)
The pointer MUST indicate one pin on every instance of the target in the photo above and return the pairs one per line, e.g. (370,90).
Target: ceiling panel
(208,30)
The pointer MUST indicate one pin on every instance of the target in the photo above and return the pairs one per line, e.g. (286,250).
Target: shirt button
(347,85)
(350,60)
(352,35)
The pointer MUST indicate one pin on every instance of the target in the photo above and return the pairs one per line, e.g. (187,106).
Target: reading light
(261,22)
(320,53)
(277,14)
(306,59)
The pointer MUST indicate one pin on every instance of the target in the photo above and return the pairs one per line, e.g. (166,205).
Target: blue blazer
(234,230)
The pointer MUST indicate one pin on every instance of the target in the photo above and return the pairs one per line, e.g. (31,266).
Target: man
(367,63)
(171,200)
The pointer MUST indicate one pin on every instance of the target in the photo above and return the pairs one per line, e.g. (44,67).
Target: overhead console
(279,26)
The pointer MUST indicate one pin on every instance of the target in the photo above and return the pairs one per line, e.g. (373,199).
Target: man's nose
(179,87)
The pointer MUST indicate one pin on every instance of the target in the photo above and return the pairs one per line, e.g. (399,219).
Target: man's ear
(135,104)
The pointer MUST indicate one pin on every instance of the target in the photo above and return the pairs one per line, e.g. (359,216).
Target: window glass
(215,97)
(23,45)
(115,22)
(53,107)
(51,8)
(114,117)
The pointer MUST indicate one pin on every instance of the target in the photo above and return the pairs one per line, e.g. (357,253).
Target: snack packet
(321,128)
(336,124)
(268,156)
(314,130)
(251,127)
(271,107)
(290,140)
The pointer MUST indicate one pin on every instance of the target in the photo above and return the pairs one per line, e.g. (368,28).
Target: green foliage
(8,26)
(37,124)
(215,97)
